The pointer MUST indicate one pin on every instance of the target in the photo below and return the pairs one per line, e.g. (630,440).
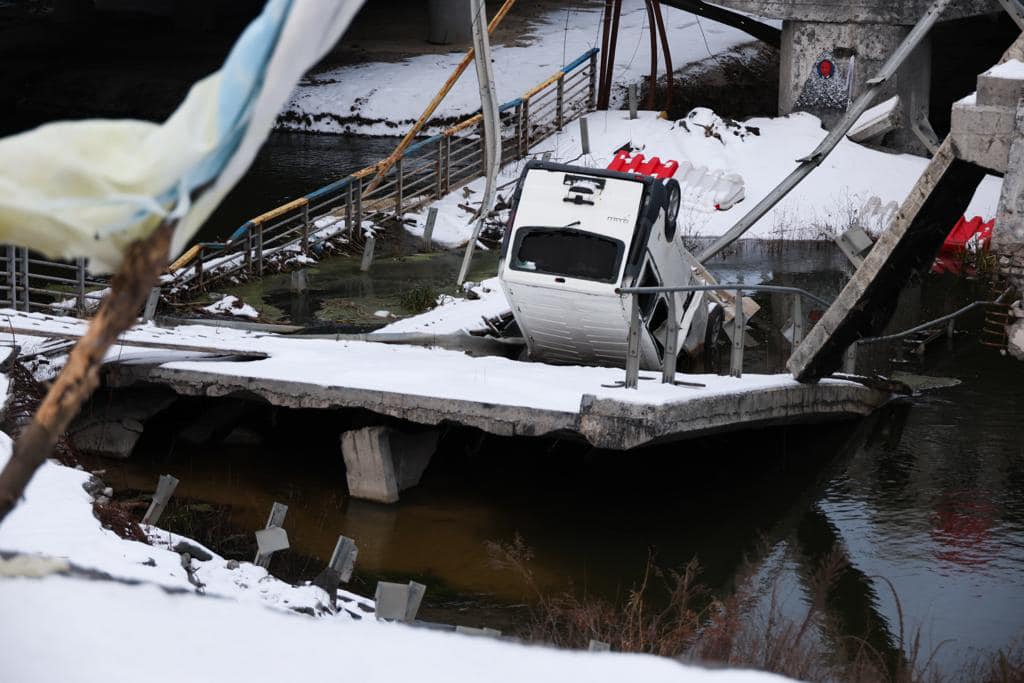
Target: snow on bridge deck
(432,386)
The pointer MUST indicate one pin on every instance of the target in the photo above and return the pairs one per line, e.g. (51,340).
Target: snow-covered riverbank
(761,151)
(383,98)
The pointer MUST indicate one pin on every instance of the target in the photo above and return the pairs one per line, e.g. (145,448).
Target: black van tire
(672,198)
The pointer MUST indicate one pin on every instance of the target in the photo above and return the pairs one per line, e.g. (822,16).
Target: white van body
(575,236)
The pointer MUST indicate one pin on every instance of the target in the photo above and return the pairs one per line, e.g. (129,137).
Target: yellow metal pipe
(283,209)
(425,116)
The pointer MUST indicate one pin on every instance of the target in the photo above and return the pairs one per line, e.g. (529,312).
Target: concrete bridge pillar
(824,65)
(381,462)
(819,38)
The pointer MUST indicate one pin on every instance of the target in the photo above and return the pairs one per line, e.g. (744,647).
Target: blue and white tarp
(89,188)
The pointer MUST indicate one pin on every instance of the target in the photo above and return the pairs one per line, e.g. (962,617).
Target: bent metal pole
(492,131)
(814,159)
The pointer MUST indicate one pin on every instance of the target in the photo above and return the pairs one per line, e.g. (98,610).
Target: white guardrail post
(633,345)
(739,333)
(668,362)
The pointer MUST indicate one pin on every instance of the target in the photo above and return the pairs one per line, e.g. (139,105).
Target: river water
(927,495)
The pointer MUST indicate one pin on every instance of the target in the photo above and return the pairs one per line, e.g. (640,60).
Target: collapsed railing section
(668,370)
(31,283)
(426,171)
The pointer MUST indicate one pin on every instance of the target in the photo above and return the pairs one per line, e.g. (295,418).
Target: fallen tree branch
(143,263)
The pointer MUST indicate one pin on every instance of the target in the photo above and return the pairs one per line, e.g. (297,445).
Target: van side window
(657,326)
(649,278)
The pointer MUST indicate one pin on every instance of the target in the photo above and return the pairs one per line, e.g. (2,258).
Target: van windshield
(567,252)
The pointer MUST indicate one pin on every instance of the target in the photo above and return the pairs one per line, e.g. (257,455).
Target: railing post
(428,231)
(593,81)
(439,169)
(364,265)
(560,101)
(520,152)
(348,206)
(25,293)
(259,249)
(668,362)
(633,344)
(12,276)
(359,208)
(248,251)
(447,164)
(305,229)
(850,359)
(739,333)
(80,272)
(526,127)
(798,320)
(399,187)
(199,267)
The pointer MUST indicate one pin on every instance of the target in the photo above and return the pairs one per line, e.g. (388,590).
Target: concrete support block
(380,462)
(1000,92)
(983,134)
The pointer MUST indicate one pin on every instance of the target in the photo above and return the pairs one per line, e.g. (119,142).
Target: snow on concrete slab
(373,98)
(884,108)
(761,150)
(415,371)
(60,629)
(1013,69)
(457,315)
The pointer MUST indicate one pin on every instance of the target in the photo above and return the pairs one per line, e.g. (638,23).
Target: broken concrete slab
(909,245)
(983,133)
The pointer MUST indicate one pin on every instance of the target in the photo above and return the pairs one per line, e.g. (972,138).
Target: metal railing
(426,171)
(31,283)
(668,368)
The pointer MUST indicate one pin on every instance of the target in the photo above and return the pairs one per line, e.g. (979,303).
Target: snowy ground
(382,98)
(762,151)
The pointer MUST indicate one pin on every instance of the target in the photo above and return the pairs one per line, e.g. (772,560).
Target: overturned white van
(575,236)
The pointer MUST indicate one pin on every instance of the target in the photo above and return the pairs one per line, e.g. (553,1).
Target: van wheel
(671,208)
(714,334)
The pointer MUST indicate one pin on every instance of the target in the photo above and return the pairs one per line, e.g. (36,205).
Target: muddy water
(928,494)
(335,293)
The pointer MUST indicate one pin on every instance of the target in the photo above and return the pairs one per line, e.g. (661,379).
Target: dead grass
(672,614)
(120,519)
